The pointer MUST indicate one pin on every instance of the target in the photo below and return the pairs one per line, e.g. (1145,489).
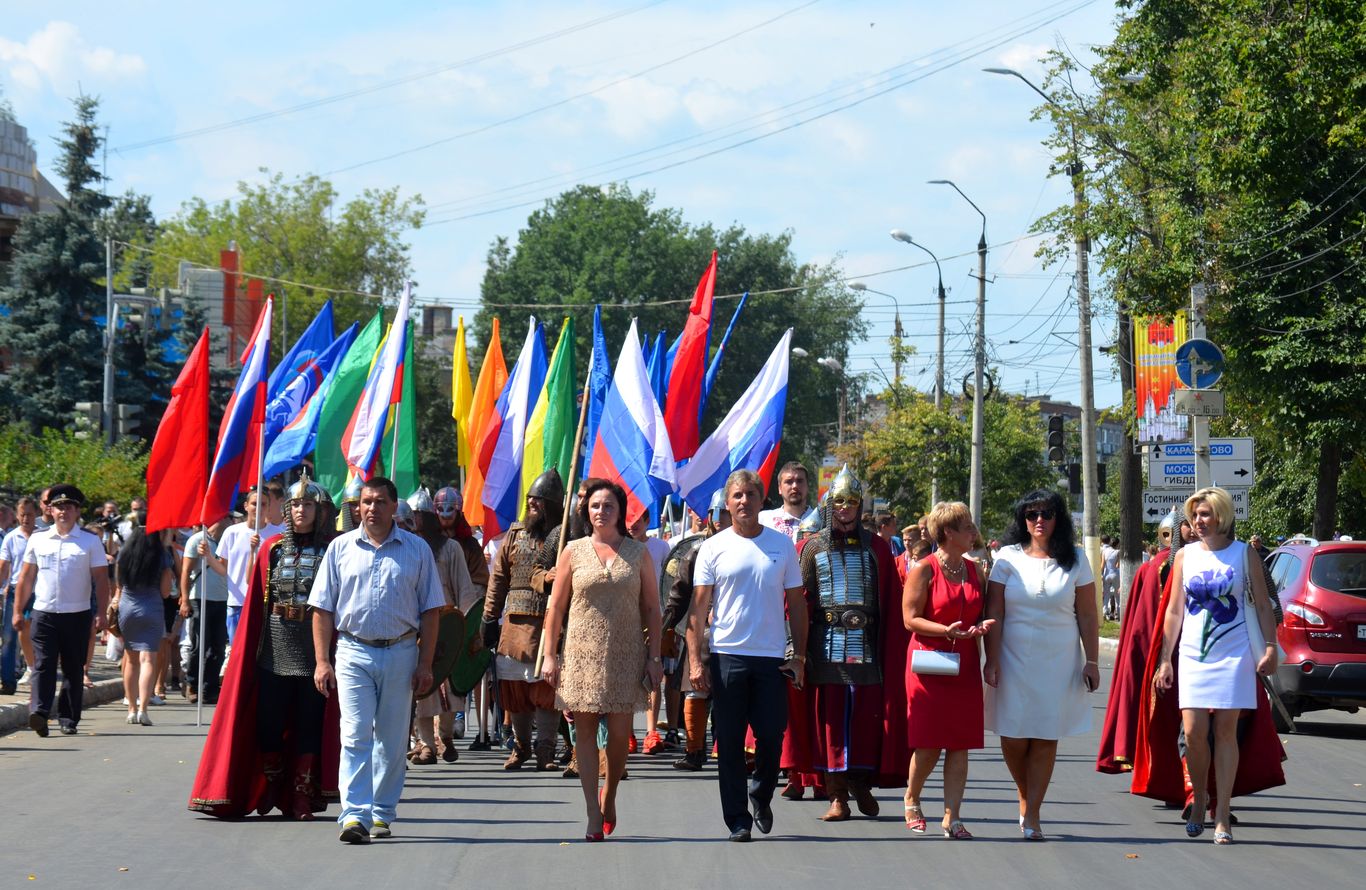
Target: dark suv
(1322,589)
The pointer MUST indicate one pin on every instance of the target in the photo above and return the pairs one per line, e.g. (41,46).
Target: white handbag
(934,662)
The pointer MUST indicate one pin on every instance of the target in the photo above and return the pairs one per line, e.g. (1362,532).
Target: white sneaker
(27,678)
(144,719)
(125,701)
(155,700)
(132,718)
(458,728)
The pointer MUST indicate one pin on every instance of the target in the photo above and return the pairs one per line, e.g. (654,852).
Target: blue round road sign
(1199,363)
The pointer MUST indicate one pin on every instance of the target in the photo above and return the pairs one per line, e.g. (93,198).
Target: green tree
(30,462)
(299,230)
(898,455)
(1227,144)
(55,293)
(613,247)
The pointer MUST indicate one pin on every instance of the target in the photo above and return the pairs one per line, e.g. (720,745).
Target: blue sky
(585,98)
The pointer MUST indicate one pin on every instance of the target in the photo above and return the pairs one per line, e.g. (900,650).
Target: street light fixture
(896,332)
(831,363)
(1090,495)
(979,360)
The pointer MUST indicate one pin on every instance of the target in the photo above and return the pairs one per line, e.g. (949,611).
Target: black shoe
(38,723)
(763,815)
(691,762)
(354,833)
(740,836)
(7,690)
(481,745)
(68,729)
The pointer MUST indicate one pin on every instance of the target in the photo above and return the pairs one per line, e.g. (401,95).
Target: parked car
(1322,590)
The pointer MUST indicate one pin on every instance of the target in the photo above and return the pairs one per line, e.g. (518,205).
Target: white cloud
(1025,58)
(58,57)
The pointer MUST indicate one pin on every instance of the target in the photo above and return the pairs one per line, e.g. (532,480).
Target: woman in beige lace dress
(608,587)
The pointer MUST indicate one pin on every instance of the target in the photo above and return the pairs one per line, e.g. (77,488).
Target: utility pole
(978,405)
(110,326)
(1090,495)
(903,237)
(1195,327)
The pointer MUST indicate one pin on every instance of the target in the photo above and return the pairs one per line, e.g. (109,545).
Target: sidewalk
(108,687)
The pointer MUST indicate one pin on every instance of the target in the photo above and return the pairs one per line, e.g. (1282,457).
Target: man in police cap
(519,589)
(59,566)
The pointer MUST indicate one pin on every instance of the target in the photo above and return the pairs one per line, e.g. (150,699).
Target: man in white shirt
(239,544)
(11,557)
(744,577)
(794,485)
(59,567)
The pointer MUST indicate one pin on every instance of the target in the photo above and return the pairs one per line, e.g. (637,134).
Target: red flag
(178,467)
(690,370)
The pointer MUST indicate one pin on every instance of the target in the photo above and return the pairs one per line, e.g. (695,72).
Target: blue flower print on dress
(1211,592)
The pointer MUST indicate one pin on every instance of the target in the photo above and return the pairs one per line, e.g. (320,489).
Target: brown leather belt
(378,644)
(289,613)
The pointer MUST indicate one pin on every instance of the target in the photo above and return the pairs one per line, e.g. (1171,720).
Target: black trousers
(59,637)
(288,703)
(216,640)
(747,691)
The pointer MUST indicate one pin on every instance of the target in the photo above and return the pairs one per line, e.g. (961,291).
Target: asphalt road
(106,809)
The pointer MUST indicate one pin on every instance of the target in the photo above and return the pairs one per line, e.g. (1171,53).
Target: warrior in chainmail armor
(854,601)
(519,590)
(289,709)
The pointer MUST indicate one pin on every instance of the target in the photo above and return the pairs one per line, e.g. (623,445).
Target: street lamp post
(1090,495)
(905,238)
(896,330)
(979,362)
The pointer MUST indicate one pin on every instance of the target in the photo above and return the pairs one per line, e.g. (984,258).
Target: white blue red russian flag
(236,464)
(749,437)
(360,443)
(632,447)
(503,481)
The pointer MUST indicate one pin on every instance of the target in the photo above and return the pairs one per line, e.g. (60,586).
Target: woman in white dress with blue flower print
(1041,653)
(1228,636)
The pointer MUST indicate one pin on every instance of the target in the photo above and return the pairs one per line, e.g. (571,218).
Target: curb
(14,716)
(1108,646)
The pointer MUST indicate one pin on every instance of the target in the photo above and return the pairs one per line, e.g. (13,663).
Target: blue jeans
(747,691)
(9,645)
(375,694)
(234,615)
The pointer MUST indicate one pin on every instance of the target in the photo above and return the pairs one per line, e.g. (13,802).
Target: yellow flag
(462,394)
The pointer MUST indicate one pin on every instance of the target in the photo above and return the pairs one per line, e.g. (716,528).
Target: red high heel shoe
(607,827)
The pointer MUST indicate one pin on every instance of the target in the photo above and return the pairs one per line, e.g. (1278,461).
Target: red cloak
(1119,734)
(230,781)
(1158,769)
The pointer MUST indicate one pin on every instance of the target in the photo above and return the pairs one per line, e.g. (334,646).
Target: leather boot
(521,753)
(863,795)
(305,787)
(838,789)
(545,755)
(448,752)
(273,766)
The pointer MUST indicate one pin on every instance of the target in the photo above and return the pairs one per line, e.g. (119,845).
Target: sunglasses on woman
(1031,515)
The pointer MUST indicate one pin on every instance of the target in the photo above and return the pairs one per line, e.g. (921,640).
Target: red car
(1322,589)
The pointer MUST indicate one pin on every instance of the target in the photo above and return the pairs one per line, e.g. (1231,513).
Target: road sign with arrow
(1158,502)
(1232,464)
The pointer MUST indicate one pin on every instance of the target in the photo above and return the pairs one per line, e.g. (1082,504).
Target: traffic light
(88,420)
(129,421)
(1074,479)
(1100,478)
(1057,440)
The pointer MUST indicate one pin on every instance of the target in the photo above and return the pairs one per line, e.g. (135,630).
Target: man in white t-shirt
(794,485)
(238,548)
(743,579)
(60,566)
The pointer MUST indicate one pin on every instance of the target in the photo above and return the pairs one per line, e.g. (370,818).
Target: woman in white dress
(1227,636)
(1041,652)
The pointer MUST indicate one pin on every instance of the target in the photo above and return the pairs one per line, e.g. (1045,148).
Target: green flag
(340,404)
(562,414)
(405,477)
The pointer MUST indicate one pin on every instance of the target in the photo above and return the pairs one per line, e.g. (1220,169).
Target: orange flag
(492,377)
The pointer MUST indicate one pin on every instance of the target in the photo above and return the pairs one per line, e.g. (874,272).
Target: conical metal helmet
(305,490)
(421,501)
(351,494)
(718,505)
(1170,521)
(846,485)
(448,502)
(548,487)
(404,516)
(811,524)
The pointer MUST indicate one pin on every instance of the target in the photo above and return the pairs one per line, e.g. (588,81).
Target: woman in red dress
(942,607)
